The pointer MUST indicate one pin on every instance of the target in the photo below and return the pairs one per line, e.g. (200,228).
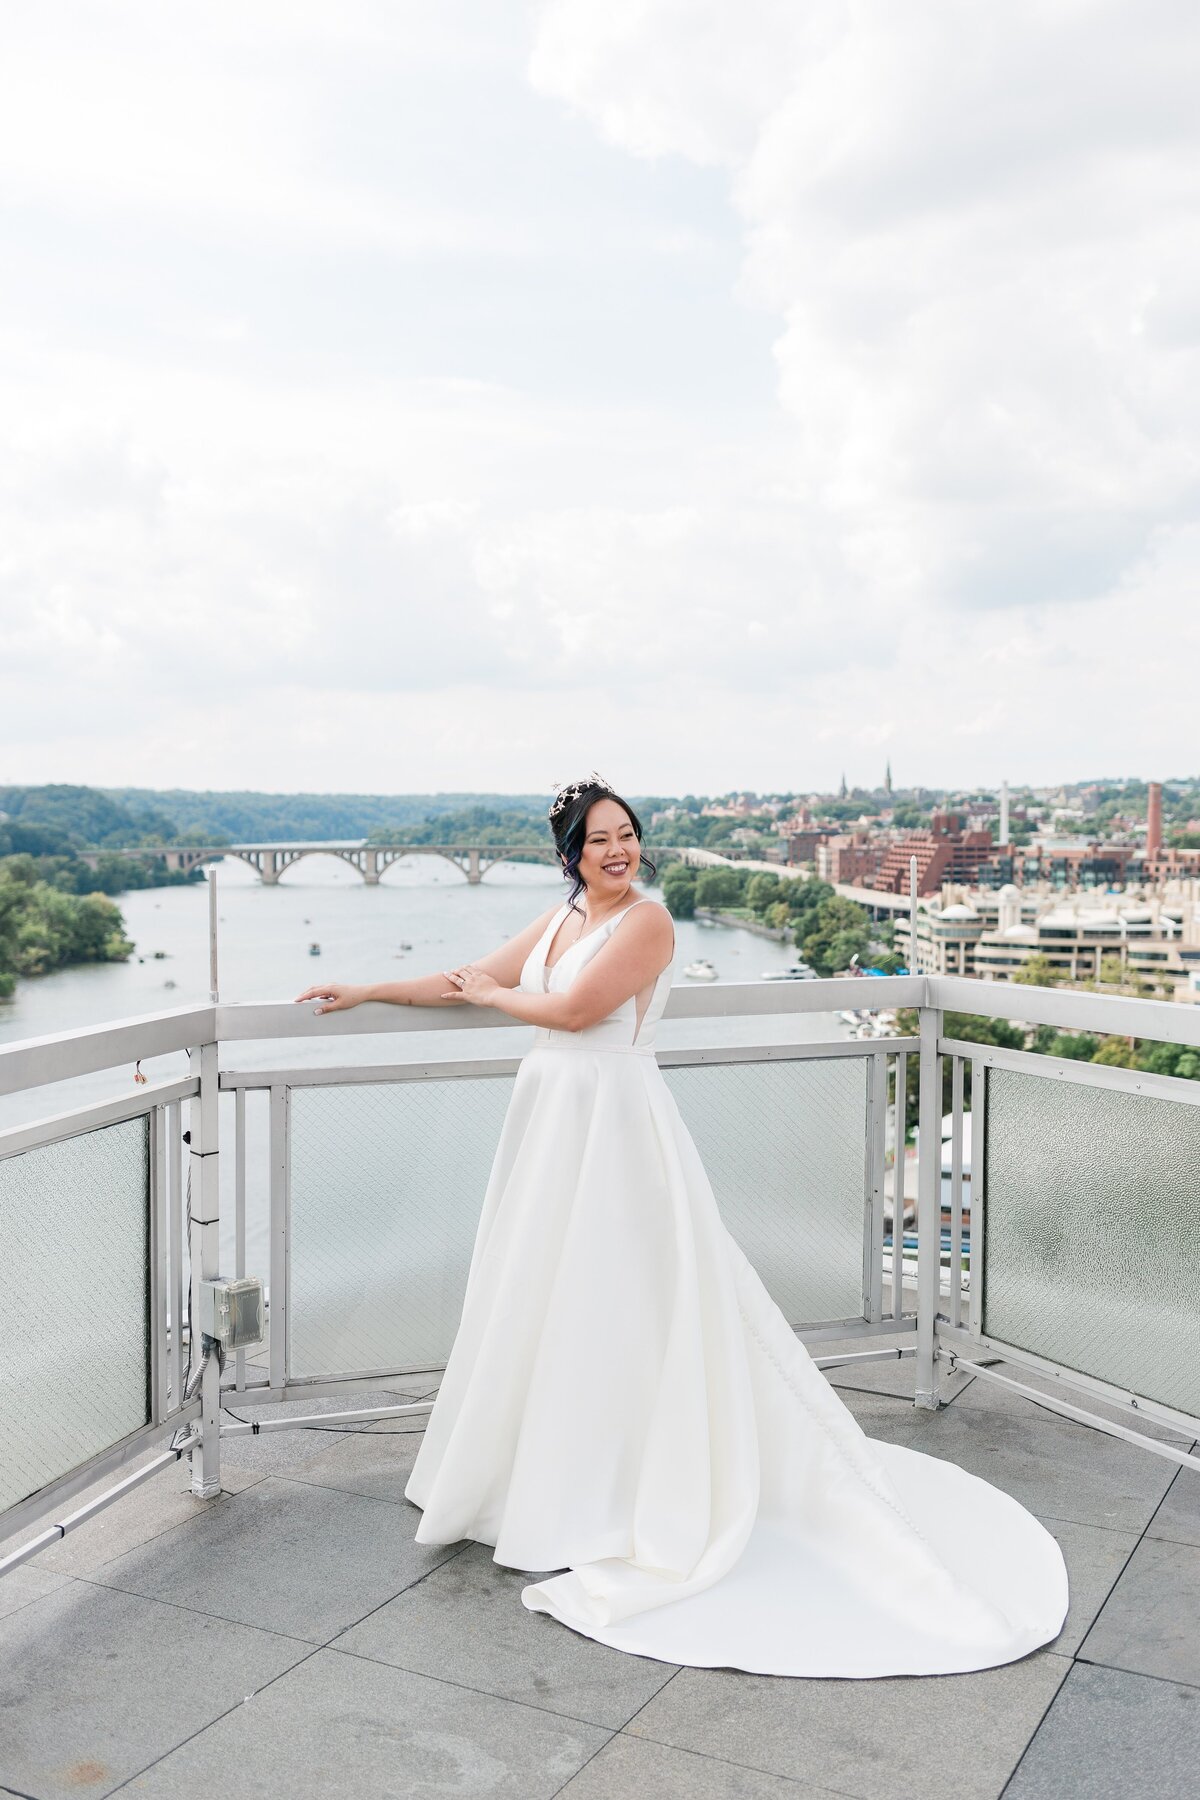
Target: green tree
(719,887)
(678,885)
(838,934)
(764,891)
(1037,971)
(1182,1060)
(43,928)
(97,931)
(1116,1053)
(1078,1046)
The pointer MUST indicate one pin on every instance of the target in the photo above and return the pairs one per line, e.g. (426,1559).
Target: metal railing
(340,1193)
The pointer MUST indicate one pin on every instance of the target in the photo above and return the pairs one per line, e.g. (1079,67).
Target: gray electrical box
(232,1312)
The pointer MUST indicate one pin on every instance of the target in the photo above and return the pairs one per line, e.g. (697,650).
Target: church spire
(887,779)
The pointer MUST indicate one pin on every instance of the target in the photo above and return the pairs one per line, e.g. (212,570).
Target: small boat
(797,971)
(701,970)
(405,946)
(314,949)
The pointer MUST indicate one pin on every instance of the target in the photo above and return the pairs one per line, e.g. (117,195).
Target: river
(264,934)
(264,937)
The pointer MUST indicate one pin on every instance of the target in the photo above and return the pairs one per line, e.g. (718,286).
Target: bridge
(371,860)
(269,861)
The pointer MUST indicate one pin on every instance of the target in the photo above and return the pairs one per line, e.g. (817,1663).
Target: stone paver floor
(289,1638)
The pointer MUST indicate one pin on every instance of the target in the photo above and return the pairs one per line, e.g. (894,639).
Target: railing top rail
(56,1127)
(36,1062)
(449,1068)
(1165,1021)
(716,1000)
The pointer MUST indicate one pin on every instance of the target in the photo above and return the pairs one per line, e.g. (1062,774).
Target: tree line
(42,928)
(832,934)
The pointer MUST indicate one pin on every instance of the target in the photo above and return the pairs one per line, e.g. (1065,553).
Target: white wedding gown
(625,1402)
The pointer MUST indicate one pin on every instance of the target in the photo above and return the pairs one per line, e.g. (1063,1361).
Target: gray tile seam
(468,1687)
(583,1765)
(204,1612)
(1160,1537)
(1137,1531)
(629,1721)
(109,1587)
(723,1762)
(727,1762)
(34,1600)
(1076,1656)
(1045,1714)
(455,1551)
(137,1774)
(1096,1662)
(332,1487)
(1142,1536)
(646,1737)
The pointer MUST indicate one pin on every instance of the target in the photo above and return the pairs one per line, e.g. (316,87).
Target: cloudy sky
(711,392)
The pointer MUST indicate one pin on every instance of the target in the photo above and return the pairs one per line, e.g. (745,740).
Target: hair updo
(568,821)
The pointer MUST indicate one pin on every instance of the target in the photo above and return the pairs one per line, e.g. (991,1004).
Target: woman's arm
(503,965)
(635,955)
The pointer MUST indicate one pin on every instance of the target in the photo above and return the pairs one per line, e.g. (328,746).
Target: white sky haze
(718,393)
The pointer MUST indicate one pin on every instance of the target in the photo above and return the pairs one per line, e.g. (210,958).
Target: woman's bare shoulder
(650,922)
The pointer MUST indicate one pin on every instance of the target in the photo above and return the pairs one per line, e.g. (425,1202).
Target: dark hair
(568,822)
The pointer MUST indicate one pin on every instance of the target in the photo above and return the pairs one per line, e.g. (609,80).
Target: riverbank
(744,920)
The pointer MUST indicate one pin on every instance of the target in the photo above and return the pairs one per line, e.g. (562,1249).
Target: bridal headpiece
(564,794)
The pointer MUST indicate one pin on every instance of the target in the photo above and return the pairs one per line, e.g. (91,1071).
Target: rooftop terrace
(262,1622)
(288,1637)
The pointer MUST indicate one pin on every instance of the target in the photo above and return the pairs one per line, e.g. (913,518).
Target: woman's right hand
(338,996)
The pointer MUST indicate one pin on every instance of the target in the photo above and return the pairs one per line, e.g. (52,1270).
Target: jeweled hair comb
(563,795)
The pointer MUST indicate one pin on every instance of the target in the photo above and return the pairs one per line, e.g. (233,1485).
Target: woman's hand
(471,984)
(337,995)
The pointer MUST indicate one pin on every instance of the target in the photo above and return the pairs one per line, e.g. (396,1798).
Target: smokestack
(1154,821)
(1004,812)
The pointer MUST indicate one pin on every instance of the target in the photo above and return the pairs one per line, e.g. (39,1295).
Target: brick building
(944,853)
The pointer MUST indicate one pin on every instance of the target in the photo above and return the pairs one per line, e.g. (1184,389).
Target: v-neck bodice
(620,1030)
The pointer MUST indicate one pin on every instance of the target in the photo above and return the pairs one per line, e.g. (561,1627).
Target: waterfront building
(992,935)
(944,853)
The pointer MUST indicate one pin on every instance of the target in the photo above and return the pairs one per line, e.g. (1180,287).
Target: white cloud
(753,390)
(977,230)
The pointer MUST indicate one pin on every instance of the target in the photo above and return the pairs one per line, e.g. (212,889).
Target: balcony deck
(290,1638)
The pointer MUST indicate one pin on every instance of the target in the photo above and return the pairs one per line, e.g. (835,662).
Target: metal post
(212,936)
(929,1206)
(205,1254)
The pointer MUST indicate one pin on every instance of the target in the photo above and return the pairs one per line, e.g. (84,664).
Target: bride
(625,1404)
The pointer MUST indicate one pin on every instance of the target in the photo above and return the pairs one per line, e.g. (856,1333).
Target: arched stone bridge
(269,861)
(371,860)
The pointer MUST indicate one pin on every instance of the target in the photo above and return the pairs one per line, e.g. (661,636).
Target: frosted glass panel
(387,1187)
(74,1303)
(1092,1232)
(784,1145)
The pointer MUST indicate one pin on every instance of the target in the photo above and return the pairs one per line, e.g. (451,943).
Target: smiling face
(611,854)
